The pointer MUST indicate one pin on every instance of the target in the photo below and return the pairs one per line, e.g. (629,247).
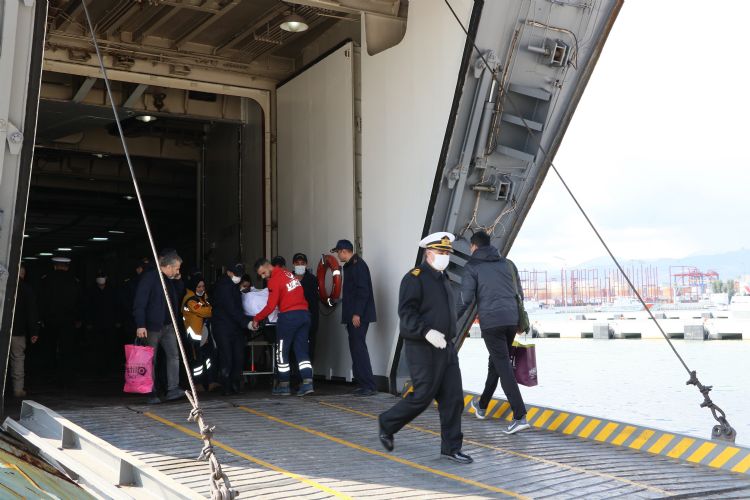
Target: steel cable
(220,487)
(722,431)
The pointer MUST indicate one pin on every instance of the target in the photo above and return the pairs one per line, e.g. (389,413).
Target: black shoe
(358,391)
(458,457)
(153,400)
(174,394)
(365,393)
(385,439)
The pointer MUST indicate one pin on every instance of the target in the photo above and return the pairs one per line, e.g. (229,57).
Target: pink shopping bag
(139,368)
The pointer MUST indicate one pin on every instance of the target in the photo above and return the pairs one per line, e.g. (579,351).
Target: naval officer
(427,313)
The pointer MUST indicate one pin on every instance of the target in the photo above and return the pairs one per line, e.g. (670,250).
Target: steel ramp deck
(327,447)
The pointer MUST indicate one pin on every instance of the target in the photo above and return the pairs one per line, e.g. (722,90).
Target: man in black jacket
(493,282)
(312,295)
(153,322)
(357,312)
(25,330)
(229,324)
(427,313)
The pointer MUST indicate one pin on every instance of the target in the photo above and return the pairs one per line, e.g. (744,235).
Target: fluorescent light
(145,118)
(44,254)
(64,249)
(30,258)
(25,235)
(293,23)
(115,231)
(128,197)
(99,238)
(79,246)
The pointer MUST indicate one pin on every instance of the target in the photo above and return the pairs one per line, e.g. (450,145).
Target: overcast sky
(657,151)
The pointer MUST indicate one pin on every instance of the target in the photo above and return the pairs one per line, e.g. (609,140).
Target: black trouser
(312,336)
(231,346)
(435,374)
(360,356)
(64,340)
(499,341)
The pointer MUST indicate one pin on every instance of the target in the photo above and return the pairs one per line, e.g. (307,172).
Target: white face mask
(299,270)
(440,262)
(200,294)
(101,281)
(236,280)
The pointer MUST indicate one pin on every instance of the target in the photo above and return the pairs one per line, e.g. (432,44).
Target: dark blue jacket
(357,296)
(228,313)
(149,307)
(489,280)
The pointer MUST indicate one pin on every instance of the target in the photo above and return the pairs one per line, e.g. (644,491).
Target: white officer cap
(438,241)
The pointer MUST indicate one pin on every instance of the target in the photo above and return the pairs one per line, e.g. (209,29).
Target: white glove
(436,338)
(250,326)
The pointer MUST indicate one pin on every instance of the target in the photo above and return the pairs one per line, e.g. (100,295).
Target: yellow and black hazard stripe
(715,454)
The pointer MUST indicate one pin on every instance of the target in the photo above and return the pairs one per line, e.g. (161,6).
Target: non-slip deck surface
(327,447)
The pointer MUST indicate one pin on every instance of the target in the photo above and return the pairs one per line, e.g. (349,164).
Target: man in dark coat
(427,314)
(493,282)
(25,330)
(153,321)
(101,317)
(357,312)
(60,307)
(312,295)
(229,323)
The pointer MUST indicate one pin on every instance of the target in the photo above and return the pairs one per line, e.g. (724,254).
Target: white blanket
(255,300)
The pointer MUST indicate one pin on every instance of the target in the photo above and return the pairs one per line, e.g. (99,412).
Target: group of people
(221,323)
(428,314)
(65,322)
(427,308)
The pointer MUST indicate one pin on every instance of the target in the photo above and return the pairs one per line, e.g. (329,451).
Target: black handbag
(524,325)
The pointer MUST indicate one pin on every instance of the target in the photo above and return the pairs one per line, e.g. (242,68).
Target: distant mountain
(729,265)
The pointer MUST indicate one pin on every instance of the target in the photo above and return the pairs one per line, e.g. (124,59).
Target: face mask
(101,281)
(245,290)
(200,294)
(236,280)
(299,270)
(440,262)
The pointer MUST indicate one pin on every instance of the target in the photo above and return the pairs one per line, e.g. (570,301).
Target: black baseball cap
(299,256)
(238,269)
(343,245)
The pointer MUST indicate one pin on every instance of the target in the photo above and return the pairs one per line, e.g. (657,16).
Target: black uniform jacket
(426,302)
(358,298)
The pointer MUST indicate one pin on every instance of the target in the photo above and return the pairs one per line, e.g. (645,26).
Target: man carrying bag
(492,280)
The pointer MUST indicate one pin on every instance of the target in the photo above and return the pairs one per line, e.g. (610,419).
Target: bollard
(602,331)
(695,332)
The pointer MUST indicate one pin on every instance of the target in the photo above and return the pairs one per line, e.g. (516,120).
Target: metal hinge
(14,136)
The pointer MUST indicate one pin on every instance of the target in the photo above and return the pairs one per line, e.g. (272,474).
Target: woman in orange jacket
(196,314)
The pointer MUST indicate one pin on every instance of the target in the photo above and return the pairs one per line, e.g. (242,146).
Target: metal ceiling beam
(122,19)
(135,95)
(71,12)
(140,35)
(236,38)
(385,8)
(191,34)
(84,89)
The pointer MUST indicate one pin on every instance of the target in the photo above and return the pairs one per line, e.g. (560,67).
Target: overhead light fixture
(79,246)
(25,235)
(149,118)
(64,249)
(115,231)
(44,254)
(99,238)
(30,258)
(128,197)
(293,23)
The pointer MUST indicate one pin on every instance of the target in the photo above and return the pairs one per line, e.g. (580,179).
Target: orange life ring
(329,262)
